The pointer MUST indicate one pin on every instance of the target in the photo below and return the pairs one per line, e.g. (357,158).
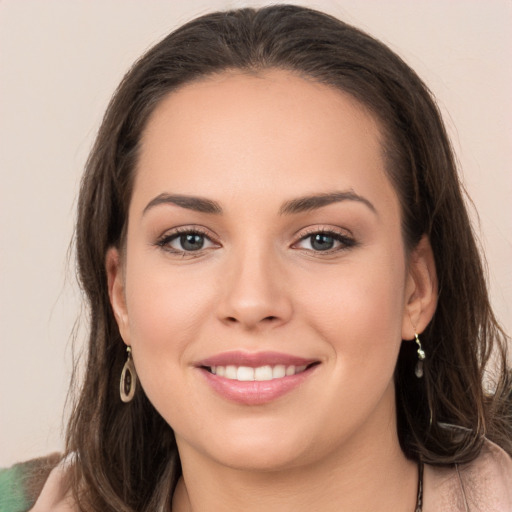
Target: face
(265,288)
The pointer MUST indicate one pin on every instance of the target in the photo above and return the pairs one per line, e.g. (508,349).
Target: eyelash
(165,241)
(345,242)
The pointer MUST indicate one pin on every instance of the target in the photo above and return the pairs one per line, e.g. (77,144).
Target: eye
(325,241)
(189,242)
(185,241)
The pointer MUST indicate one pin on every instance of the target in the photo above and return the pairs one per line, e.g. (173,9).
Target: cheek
(166,312)
(361,325)
(359,310)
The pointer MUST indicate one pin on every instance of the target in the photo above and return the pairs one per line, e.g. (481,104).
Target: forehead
(235,132)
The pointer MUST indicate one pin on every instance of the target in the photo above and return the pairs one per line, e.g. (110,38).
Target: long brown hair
(126,453)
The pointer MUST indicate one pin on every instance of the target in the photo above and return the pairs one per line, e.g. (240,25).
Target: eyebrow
(198,204)
(313,202)
(298,205)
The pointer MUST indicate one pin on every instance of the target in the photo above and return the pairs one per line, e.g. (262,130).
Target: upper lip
(254,359)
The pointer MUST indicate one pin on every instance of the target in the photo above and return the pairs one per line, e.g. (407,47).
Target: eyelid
(170,235)
(343,236)
(323,228)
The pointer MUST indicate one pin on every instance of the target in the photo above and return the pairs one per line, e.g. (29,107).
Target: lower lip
(255,392)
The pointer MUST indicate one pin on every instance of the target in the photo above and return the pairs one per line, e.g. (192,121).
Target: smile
(260,374)
(257,378)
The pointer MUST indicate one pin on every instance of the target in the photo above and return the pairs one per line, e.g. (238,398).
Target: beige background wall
(60,60)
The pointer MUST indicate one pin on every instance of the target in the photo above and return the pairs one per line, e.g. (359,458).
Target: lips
(255,379)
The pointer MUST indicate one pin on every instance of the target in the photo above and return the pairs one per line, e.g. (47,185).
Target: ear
(420,290)
(116,291)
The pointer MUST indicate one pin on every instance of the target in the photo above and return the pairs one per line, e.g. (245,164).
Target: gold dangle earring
(418,370)
(128,381)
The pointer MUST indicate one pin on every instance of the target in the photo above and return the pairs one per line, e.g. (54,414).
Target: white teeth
(261,373)
(231,372)
(279,371)
(245,373)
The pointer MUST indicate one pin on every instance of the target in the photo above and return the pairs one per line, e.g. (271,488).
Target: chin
(254,457)
(266,447)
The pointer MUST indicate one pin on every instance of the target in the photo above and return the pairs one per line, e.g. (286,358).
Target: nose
(255,293)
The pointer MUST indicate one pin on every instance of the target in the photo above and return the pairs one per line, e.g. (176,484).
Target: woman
(274,244)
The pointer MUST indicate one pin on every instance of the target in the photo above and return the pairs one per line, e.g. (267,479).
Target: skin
(252,143)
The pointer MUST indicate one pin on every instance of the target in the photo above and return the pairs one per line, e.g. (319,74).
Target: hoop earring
(418,370)
(128,381)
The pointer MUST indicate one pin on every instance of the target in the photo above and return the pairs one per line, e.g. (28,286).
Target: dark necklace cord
(419,499)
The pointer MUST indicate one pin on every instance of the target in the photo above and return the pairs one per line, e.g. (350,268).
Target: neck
(367,473)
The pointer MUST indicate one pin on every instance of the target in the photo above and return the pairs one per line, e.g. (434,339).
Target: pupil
(321,242)
(192,242)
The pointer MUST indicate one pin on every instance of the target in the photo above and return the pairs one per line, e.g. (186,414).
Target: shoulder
(488,480)
(483,485)
(39,485)
(56,495)
(21,484)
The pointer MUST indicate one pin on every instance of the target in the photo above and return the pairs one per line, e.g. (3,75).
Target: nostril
(234,320)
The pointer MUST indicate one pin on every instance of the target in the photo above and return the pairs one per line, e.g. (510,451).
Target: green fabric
(21,484)
(13,497)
